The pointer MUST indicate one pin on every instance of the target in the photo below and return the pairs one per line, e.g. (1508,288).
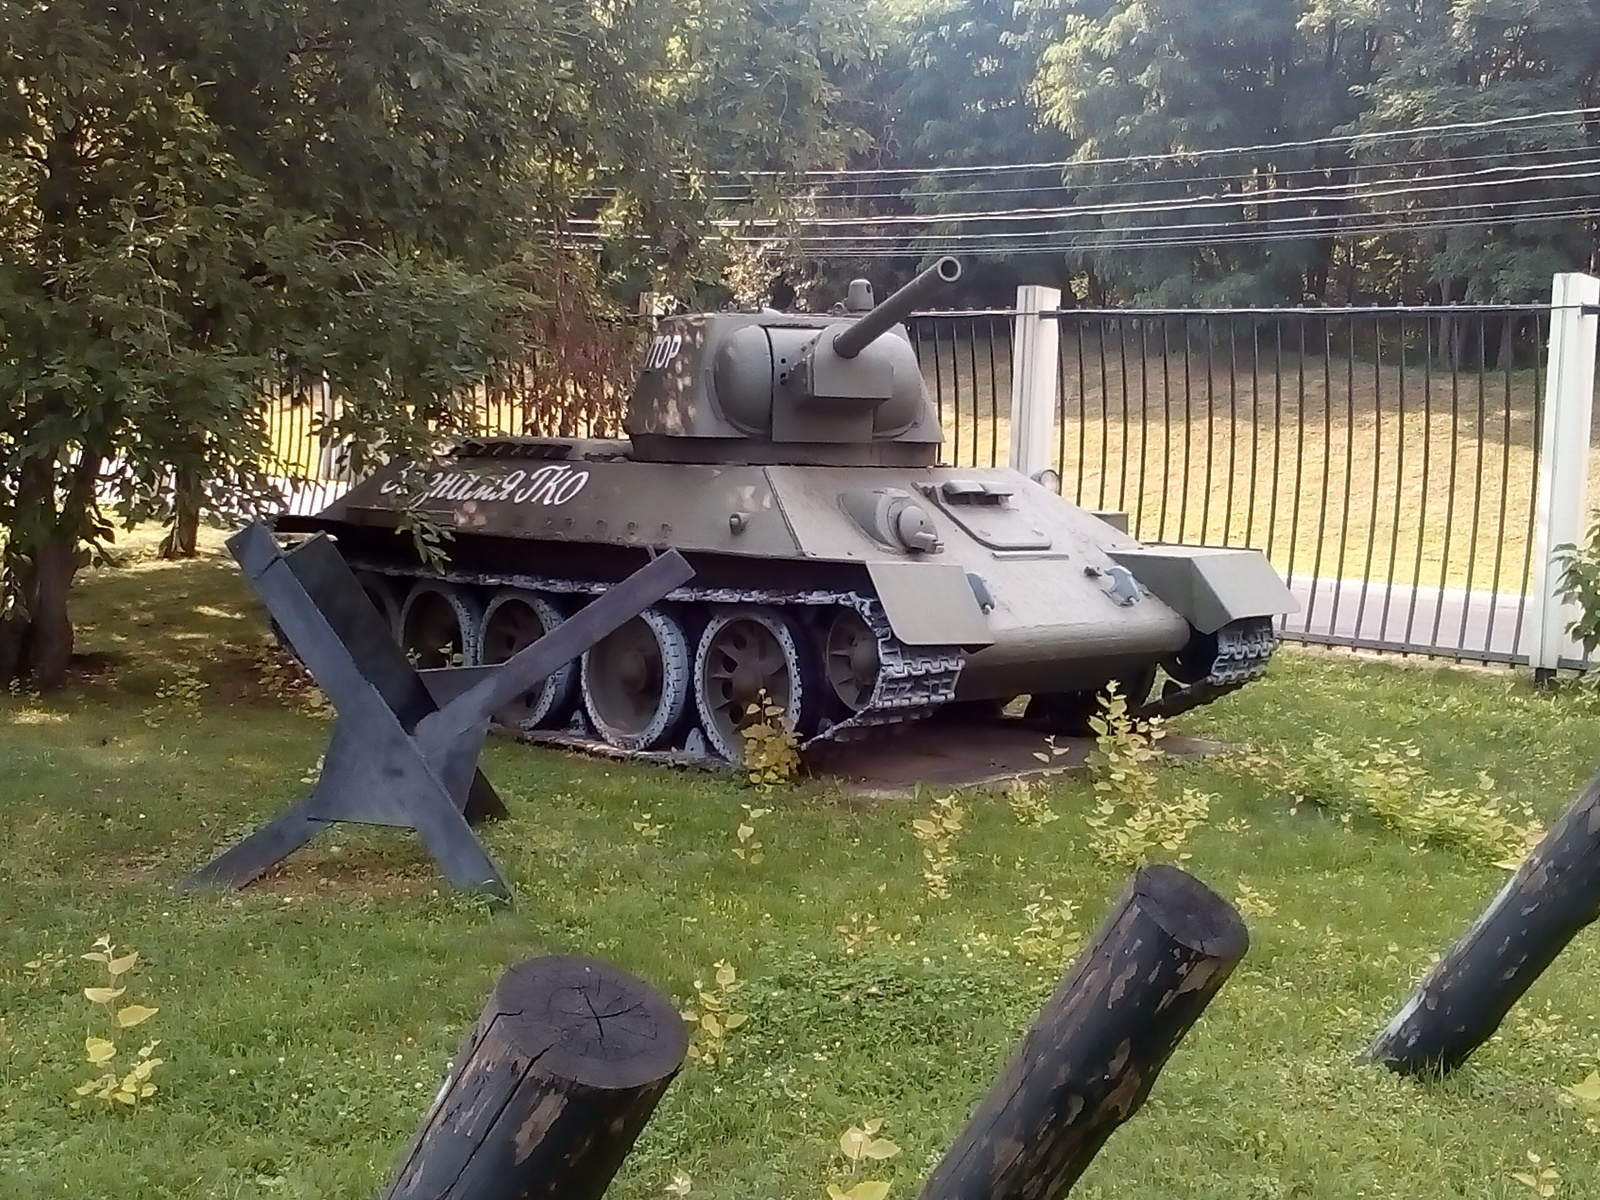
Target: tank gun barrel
(897,307)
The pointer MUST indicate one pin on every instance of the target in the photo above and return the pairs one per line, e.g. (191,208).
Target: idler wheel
(742,654)
(852,660)
(384,594)
(514,620)
(635,682)
(439,625)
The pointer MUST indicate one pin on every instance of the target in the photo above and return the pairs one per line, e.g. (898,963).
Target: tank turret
(775,387)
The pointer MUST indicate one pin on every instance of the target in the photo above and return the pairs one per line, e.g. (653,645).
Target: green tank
(840,572)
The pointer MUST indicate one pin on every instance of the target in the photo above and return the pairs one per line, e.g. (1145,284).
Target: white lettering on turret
(663,349)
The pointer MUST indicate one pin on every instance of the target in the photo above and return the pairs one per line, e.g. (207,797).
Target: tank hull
(1013,589)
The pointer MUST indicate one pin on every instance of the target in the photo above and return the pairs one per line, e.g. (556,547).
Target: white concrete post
(1035,347)
(330,455)
(1561,506)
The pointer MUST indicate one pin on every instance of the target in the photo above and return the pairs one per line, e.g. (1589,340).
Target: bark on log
(1463,999)
(1091,1057)
(555,1081)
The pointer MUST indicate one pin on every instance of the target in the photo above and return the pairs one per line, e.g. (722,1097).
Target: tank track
(1243,650)
(912,680)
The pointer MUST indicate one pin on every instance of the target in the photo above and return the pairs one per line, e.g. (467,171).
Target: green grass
(306,1021)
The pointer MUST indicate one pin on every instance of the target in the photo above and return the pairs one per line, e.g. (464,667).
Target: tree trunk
(1461,1002)
(182,537)
(41,560)
(1094,1052)
(554,1084)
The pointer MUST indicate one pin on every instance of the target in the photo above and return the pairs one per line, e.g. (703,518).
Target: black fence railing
(1385,459)
(966,362)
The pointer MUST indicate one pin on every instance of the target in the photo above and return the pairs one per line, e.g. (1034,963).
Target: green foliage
(1387,783)
(1029,804)
(937,832)
(1131,822)
(198,198)
(182,695)
(1148,101)
(771,746)
(713,1019)
(1579,585)
(133,1086)
(747,847)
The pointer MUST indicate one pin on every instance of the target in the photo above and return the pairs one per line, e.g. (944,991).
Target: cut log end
(558,1077)
(1190,913)
(606,1028)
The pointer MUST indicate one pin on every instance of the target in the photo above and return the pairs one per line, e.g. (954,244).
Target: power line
(1095,185)
(1176,155)
(1079,243)
(1187,227)
(1337,192)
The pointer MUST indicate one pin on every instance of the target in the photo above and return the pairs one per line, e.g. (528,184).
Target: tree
(966,100)
(1158,88)
(1489,62)
(199,195)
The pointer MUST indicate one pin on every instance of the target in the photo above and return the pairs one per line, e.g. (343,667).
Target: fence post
(1035,345)
(1562,500)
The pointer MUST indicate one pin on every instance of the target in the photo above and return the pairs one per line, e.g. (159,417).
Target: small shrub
(714,1020)
(749,848)
(1131,823)
(134,1086)
(1050,932)
(937,833)
(1390,786)
(771,747)
(181,694)
(1029,805)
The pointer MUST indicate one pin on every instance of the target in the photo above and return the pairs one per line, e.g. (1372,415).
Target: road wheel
(514,620)
(635,682)
(743,654)
(439,625)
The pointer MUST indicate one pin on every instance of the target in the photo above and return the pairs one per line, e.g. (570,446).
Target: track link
(1243,651)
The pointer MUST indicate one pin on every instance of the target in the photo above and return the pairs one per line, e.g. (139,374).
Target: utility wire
(1098,242)
(1164,237)
(1366,139)
(909,193)
(1336,193)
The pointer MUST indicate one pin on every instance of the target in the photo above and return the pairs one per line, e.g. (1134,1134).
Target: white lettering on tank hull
(551,485)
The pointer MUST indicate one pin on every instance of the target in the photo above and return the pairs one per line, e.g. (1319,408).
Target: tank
(841,573)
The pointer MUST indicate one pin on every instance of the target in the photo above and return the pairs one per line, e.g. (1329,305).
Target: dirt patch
(352,872)
(951,754)
(264,673)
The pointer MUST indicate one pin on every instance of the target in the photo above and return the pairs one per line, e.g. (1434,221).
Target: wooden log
(1462,1000)
(555,1081)
(1094,1052)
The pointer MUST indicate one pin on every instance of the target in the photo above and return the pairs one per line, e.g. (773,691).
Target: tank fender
(930,604)
(1208,586)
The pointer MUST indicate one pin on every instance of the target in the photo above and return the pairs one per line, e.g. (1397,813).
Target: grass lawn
(306,1022)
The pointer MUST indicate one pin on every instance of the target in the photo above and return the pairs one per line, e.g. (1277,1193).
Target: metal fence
(1386,459)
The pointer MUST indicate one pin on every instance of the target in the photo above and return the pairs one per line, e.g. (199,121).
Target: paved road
(1403,616)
